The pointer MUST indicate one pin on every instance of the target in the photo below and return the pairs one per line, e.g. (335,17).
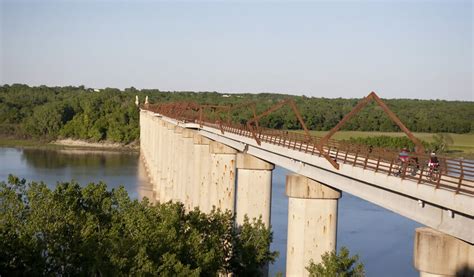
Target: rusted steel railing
(456,175)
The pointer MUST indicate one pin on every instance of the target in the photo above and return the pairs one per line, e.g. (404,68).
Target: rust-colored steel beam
(213,108)
(420,149)
(273,108)
(372,96)
(231,108)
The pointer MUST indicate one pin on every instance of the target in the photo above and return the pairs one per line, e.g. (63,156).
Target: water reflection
(62,158)
(144,188)
(61,165)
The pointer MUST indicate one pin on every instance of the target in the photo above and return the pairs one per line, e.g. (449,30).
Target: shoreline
(69,144)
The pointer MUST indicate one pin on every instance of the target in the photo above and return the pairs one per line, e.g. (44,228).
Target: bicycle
(411,167)
(433,172)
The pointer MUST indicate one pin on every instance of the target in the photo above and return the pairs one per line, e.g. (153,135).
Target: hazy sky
(409,49)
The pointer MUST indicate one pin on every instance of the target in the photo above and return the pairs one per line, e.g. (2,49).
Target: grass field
(463,145)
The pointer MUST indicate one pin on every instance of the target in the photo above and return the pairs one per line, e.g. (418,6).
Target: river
(383,239)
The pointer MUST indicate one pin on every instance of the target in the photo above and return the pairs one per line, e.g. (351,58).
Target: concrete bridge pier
(177,164)
(187,172)
(170,160)
(164,141)
(156,156)
(144,135)
(254,188)
(312,222)
(158,186)
(201,174)
(152,151)
(222,193)
(439,254)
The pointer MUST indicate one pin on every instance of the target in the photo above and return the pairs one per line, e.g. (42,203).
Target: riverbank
(68,143)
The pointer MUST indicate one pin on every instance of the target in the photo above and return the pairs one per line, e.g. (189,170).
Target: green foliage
(74,112)
(90,230)
(340,265)
(252,248)
(395,143)
(110,114)
(440,142)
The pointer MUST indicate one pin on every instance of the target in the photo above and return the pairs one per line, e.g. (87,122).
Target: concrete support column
(254,188)
(159,149)
(156,156)
(151,148)
(202,173)
(145,140)
(439,254)
(188,169)
(222,193)
(312,222)
(164,149)
(142,129)
(170,153)
(177,164)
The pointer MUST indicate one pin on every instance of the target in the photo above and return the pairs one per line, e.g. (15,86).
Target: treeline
(75,112)
(110,114)
(93,231)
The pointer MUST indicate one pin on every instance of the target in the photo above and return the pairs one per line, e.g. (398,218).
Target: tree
(441,142)
(340,265)
(74,230)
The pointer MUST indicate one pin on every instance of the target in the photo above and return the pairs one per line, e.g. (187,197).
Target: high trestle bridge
(197,155)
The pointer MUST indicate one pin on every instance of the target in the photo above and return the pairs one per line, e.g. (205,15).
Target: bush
(339,265)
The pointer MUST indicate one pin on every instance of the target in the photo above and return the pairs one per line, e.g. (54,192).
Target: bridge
(197,155)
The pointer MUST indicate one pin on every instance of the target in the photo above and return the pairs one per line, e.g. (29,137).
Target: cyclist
(403,159)
(433,163)
(403,156)
(433,167)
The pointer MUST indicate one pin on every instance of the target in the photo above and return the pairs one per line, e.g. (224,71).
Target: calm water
(383,240)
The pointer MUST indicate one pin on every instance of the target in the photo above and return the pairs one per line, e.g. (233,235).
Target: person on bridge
(403,155)
(403,158)
(433,163)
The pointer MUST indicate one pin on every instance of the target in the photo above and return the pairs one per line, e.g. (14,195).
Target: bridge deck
(455,175)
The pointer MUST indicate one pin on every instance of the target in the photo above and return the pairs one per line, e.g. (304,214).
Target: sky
(399,49)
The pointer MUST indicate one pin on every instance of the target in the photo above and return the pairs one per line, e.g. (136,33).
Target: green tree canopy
(74,230)
(337,265)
